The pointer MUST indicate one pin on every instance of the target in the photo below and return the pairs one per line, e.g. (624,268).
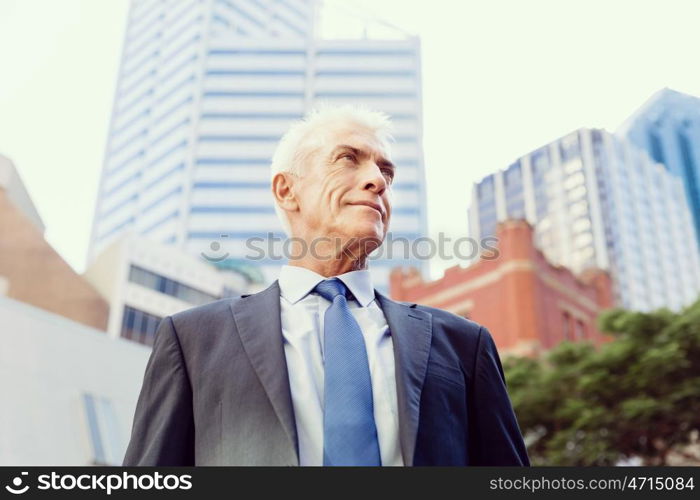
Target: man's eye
(348,156)
(389,173)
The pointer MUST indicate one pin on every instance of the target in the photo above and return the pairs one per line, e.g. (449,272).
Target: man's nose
(375,181)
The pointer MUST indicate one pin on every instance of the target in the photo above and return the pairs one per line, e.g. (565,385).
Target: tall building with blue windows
(205,90)
(667,127)
(597,201)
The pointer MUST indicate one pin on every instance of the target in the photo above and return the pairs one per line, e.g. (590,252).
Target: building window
(689,172)
(569,148)
(105,440)
(139,326)
(169,286)
(150,325)
(566,317)
(580,333)
(513,176)
(540,161)
(487,223)
(596,137)
(657,150)
(485,188)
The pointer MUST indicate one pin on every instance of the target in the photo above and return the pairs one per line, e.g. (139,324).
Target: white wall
(46,363)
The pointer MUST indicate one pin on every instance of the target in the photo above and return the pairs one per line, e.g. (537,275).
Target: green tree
(636,396)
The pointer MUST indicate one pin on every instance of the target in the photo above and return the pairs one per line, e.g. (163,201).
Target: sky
(500,79)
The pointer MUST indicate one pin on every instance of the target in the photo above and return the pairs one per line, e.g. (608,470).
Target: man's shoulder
(218,306)
(454,333)
(214,316)
(205,316)
(447,320)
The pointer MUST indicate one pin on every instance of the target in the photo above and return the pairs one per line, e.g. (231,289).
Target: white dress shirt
(302,315)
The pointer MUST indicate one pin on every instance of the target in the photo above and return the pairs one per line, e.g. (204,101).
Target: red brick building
(527,303)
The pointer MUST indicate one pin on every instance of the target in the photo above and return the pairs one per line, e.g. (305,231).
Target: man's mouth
(370,204)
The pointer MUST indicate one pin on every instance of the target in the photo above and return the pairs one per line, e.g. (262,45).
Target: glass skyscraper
(597,201)
(205,90)
(667,127)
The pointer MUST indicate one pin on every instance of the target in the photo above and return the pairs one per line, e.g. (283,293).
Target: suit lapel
(259,325)
(411,333)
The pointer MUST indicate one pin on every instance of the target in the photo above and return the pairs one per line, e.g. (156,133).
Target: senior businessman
(320,368)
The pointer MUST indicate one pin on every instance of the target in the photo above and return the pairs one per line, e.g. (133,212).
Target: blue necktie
(349,431)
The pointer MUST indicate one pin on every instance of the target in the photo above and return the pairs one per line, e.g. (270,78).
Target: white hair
(301,139)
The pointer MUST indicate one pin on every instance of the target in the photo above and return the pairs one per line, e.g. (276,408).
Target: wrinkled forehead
(327,139)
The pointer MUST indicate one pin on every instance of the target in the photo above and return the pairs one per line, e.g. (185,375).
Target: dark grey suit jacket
(216,390)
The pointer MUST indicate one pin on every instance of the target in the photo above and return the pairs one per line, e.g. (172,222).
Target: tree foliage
(636,396)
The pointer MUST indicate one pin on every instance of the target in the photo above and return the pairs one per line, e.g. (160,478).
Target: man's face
(345,188)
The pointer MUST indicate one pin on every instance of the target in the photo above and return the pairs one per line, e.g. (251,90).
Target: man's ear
(283,191)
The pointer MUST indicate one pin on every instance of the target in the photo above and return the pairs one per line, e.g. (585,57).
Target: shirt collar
(297,282)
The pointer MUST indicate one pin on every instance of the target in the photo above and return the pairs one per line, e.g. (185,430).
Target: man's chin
(369,240)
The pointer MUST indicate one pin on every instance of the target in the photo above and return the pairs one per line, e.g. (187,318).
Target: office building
(205,91)
(667,127)
(144,281)
(596,201)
